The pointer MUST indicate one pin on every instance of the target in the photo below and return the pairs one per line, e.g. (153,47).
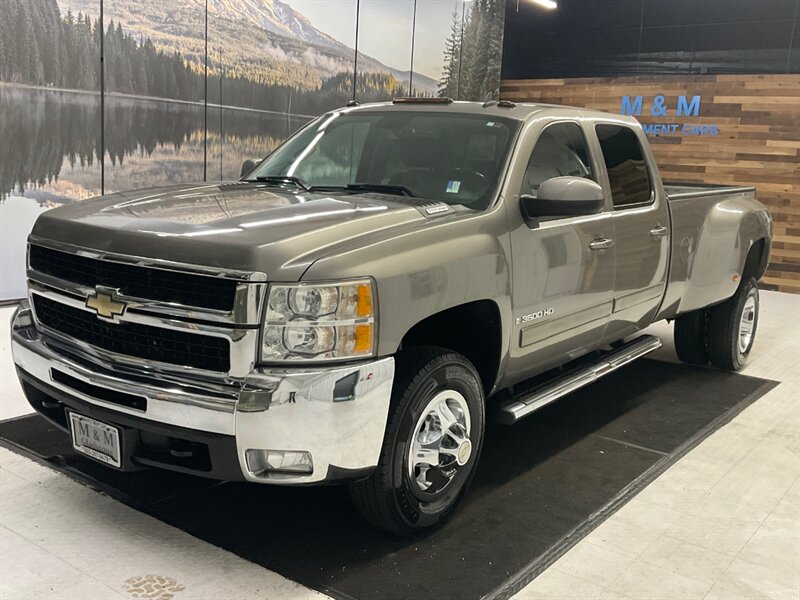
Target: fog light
(263,463)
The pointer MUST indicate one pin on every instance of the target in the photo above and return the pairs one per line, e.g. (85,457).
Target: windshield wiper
(278,179)
(355,188)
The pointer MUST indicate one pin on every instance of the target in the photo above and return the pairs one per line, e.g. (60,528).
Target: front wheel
(732,327)
(432,443)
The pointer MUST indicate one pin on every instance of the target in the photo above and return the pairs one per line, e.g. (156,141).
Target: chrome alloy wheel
(747,322)
(440,444)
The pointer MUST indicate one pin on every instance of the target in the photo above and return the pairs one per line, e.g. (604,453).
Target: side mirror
(248,166)
(563,197)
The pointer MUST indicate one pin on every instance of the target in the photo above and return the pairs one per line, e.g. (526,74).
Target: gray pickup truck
(361,300)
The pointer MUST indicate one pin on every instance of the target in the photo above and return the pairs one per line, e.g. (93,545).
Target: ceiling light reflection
(314,215)
(548,4)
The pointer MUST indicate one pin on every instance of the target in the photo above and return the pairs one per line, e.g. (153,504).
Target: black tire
(392,498)
(690,337)
(727,348)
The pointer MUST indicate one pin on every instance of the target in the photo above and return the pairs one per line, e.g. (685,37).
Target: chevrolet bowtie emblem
(103,303)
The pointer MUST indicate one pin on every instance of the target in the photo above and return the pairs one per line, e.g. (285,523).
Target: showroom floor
(723,522)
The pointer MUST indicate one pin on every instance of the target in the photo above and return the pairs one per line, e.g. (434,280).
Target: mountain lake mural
(271,66)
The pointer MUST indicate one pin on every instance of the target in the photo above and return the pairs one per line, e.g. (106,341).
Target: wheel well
(473,329)
(757,259)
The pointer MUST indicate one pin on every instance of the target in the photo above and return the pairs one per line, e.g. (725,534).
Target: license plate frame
(96,439)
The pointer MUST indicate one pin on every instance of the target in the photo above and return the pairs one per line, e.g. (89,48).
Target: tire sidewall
(750,289)
(453,373)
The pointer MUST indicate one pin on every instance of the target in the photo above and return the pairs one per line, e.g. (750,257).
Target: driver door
(563,279)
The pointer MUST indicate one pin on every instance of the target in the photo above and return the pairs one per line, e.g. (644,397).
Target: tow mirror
(248,166)
(563,197)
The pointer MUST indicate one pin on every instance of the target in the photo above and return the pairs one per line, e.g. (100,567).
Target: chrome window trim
(243,342)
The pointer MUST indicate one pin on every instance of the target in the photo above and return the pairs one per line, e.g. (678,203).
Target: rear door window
(626,166)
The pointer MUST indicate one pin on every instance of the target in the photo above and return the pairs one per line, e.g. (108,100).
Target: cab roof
(511,110)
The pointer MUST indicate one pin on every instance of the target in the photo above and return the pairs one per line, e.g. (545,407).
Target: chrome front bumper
(336,414)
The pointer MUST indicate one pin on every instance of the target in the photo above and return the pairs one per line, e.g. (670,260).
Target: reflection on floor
(722,523)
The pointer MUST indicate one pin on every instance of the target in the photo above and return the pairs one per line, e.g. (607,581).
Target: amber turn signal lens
(363,341)
(364,306)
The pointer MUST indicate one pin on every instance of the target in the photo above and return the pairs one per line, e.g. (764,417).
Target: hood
(239,225)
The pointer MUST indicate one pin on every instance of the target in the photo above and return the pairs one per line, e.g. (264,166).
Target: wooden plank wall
(758,142)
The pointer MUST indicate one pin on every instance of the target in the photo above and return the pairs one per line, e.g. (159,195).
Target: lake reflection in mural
(54,143)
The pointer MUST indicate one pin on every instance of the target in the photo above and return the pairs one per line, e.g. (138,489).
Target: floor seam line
(631,445)
(761,522)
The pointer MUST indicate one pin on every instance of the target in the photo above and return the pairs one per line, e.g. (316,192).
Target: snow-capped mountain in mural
(263,40)
(272,15)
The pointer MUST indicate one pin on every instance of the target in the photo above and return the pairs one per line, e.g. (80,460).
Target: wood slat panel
(758,142)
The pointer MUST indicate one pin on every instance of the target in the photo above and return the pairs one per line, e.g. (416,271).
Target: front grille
(134,339)
(200,291)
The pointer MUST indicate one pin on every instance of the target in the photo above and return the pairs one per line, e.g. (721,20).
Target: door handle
(601,244)
(659,231)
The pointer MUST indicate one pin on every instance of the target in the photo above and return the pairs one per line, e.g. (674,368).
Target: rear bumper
(337,415)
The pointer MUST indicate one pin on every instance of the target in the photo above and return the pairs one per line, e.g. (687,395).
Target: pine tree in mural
(473,57)
(494,44)
(448,84)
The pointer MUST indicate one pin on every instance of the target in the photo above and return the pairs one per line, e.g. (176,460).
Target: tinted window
(560,151)
(627,169)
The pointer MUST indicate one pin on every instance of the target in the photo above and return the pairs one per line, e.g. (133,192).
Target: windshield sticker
(453,187)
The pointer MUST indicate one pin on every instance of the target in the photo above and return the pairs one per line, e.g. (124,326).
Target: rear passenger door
(641,228)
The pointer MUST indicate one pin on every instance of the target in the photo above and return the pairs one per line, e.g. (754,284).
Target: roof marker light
(422,100)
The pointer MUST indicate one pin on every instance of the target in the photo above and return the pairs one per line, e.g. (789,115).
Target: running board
(529,402)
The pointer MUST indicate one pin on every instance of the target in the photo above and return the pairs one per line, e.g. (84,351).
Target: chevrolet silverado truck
(358,304)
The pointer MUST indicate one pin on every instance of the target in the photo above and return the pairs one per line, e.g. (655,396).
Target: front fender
(435,266)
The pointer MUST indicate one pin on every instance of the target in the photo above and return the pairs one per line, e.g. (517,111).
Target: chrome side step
(527,403)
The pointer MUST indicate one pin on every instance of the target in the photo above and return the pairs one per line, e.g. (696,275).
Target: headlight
(319,322)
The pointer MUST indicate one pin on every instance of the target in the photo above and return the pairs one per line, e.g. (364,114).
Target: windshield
(453,158)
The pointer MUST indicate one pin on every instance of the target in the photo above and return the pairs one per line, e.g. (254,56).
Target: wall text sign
(660,107)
